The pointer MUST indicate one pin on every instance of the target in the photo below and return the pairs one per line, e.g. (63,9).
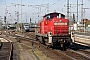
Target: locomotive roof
(52,13)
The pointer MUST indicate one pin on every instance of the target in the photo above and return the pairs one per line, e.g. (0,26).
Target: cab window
(49,17)
(60,16)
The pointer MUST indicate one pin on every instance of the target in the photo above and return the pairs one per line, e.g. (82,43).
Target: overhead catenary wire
(43,5)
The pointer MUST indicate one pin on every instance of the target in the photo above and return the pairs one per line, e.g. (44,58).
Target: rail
(31,39)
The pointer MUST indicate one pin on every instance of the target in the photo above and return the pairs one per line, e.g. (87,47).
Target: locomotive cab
(55,23)
(54,30)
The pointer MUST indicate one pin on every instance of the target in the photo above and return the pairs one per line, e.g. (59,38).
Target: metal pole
(17,21)
(21,16)
(35,28)
(5,15)
(30,22)
(68,12)
(77,10)
(6,11)
(68,9)
(82,11)
(18,18)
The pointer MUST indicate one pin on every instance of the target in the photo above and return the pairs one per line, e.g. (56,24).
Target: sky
(35,12)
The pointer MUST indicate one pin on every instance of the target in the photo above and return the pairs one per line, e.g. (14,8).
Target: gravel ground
(24,53)
(18,53)
(49,53)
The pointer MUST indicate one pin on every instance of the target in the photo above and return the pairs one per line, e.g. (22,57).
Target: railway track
(69,54)
(77,55)
(6,49)
(82,39)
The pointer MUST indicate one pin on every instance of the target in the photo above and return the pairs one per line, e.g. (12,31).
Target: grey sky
(36,12)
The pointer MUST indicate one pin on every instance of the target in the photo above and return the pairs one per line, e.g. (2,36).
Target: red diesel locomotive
(54,30)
